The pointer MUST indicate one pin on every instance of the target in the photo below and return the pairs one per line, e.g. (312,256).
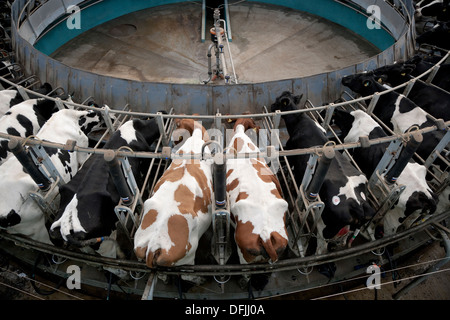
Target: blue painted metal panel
(300,86)
(232,99)
(266,93)
(317,89)
(334,81)
(190,99)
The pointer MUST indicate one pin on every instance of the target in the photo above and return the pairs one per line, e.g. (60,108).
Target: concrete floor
(163,44)
(435,287)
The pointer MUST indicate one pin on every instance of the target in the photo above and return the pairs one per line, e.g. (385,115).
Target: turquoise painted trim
(101,13)
(93,16)
(342,15)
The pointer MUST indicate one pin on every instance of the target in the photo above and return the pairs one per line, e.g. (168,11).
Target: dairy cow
(430,98)
(178,212)
(439,36)
(256,202)
(23,120)
(11,97)
(442,77)
(62,124)
(433,8)
(417,198)
(397,112)
(344,190)
(87,202)
(19,213)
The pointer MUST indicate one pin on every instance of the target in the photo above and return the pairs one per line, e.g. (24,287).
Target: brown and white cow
(178,212)
(255,198)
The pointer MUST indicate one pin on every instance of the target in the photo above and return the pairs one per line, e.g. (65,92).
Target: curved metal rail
(229,269)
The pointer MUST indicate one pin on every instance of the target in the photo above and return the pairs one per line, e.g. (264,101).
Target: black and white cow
(397,112)
(19,213)
(417,198)
(439,36)
(68,163)
(423,64)
(430,98)
(344,189)
(11,97)
(87,202)
(23,120)
(8,72)
(433,8)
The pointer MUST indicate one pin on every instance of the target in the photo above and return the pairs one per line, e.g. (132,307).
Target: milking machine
(42,181)
(118,177)
(382,184)
(220,40)
(47,190)
(221,219)
(309,204)
(130,200)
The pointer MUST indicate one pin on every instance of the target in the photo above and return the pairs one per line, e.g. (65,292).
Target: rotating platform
(163,44)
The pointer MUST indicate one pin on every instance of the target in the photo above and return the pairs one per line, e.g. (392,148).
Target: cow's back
(177,214)
(256,202)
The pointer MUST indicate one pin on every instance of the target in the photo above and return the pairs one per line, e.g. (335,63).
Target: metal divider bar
(168,127)
(437,151)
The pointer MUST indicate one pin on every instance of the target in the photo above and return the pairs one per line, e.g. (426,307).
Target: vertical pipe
(203,20)
(162,131)
(118,177)
(227,18)
(220,190)
(403,159)
(220,45)
(30,167)
(323,164)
